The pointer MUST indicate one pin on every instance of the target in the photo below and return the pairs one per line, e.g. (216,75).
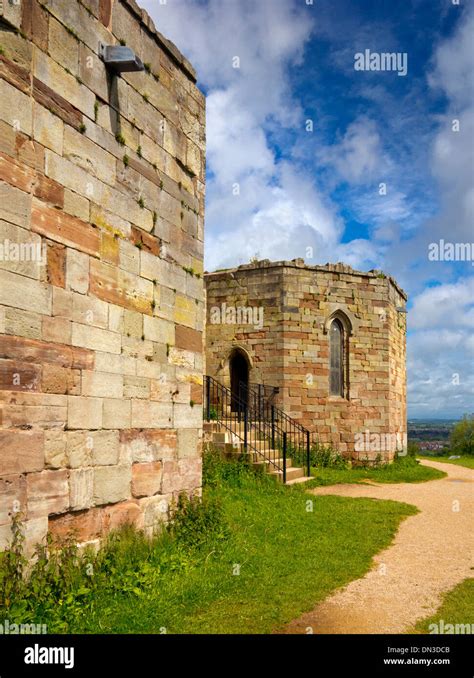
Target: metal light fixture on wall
(121,59)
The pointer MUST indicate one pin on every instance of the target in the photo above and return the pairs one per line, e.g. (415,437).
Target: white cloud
(444,306)
(358,156)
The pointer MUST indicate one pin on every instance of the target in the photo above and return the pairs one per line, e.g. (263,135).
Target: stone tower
(102,179)
(332,339)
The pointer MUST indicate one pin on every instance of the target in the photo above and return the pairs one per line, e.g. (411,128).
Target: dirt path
(431,553)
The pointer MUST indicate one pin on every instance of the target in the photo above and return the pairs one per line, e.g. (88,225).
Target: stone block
(55,449)
(136,387)
(79,446)
(147,445)
(189,339)
(64,84)
(61,380)
(161,331)
(12,497)
(84,413)
(133,324)
(151,414)
(81,488)
(117,413)
(34,23)
(102,385)
(121,288)
(89,156)
(16,108)
(63,47)
(20,323)
(106,448)
(21,451)
(96,339)
(64,228)
(76,205)
(48,493)
(146,479)
(124,513)
(77,271)
(56,264)
(56,330)
(16,205)
(88,310)
(111,484)
(189,443)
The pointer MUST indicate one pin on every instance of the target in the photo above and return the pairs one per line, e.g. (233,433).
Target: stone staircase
(230,443)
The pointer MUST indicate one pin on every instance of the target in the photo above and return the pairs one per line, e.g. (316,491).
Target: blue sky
(316,194)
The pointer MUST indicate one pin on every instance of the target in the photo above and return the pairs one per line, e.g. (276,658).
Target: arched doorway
(239,374)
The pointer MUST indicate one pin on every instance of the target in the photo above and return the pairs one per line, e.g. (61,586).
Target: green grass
(463,461)
(402,470)
(457,608)
(250,566)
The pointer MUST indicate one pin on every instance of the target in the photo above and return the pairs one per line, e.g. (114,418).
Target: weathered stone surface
(84,525)
(65,85)
(21,323)
(77,271)
(84,413)
(121,288)
(63,47)
(12,497)
(48,129)
(47,492)
(147,445)
(189,339)
(158,330)
(81,484)
(146,479)
(117,413)
(29,350)
(55,454)
(112,484)
(102,385)
(16,108)
(64,228)
(56,264)
(76,205)
(87,334)
(56,330)
(151,414)
(60,380)
(106,448)
(54,102)
(90,157)
(34,23)
(126,513)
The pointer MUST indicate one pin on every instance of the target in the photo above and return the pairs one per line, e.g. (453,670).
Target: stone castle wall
(290,349)
(102,185)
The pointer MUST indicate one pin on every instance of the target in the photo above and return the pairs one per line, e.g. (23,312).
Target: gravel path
(431,553)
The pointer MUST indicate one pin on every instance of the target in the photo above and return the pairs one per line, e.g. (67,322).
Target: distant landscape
(431,434)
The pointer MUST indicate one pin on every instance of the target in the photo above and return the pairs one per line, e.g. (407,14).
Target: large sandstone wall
(100,337)
(291,349)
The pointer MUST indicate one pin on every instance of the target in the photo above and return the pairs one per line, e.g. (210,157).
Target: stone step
(293,473)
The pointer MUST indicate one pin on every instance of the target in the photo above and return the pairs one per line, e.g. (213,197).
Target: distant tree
(413,449)
(462,436)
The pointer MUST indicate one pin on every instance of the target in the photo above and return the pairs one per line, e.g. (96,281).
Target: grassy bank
(402,470)
(457,608)
(252,557)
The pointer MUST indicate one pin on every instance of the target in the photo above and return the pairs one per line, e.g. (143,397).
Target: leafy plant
(462,436)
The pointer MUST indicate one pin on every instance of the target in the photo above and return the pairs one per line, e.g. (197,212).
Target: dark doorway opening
(239,374)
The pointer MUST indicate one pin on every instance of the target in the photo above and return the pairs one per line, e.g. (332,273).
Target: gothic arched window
(337,358)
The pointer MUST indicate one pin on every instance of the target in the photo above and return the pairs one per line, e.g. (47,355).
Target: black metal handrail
(241,419)
(283,430)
